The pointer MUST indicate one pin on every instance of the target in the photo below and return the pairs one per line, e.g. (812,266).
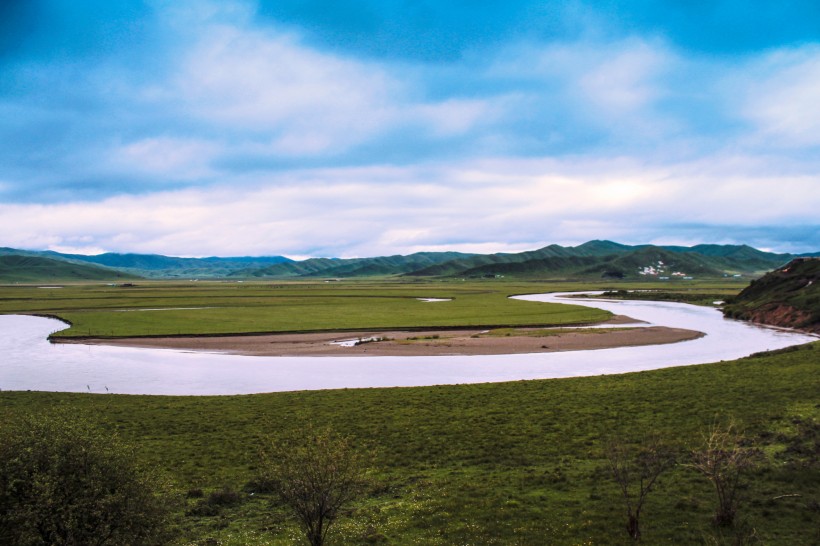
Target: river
(30,362)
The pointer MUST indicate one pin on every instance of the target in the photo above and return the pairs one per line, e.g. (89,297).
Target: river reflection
(30,362)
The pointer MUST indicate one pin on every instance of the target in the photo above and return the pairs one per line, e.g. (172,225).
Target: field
(174,308)
(507,463)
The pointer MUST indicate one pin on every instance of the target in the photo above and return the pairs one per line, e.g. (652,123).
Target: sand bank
(617,333)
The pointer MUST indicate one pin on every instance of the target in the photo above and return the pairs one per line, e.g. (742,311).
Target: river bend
(30,362)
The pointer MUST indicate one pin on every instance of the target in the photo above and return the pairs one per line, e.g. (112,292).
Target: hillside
(15,268)
(353,267)
(788,297)
(647,261)
(159,266)
(605,259)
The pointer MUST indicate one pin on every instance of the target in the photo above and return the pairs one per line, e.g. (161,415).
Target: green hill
(15,268)
(591,260)
(157,265)
(789,297)
(353,267)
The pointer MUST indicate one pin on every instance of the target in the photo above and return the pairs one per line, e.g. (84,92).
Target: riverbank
(617,332)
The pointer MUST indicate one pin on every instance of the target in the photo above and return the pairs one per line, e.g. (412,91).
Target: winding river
(30,362)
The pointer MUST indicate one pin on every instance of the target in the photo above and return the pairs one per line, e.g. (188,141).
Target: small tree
(316,477)
(723,461)
(64,482)
(636,469)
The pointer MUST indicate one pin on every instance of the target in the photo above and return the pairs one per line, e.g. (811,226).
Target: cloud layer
(228,128)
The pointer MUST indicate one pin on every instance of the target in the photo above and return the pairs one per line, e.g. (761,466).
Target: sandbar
(617,332)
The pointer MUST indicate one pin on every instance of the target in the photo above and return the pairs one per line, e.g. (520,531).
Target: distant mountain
(353,267)
(158,266)
(34,269)
(608,259)
(644,261)
(788,296)
(591,260)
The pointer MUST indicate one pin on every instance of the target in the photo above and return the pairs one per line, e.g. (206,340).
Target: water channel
(31,362)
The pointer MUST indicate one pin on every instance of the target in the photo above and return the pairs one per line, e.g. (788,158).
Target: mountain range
(594,259)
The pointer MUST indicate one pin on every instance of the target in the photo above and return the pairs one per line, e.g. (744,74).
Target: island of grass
(304,318)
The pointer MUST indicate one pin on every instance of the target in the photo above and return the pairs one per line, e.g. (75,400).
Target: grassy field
(508,463)
(172,308)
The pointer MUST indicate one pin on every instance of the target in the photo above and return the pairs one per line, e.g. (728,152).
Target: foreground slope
(492,464)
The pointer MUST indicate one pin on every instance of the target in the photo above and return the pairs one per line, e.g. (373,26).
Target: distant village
(659,270)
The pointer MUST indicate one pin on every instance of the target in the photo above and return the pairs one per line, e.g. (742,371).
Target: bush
(64,482)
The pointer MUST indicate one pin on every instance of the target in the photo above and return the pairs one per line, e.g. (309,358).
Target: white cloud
(457,116)
(626,79)
(267,83)
(165,156)
(231,104)
(387,210)
(780,94)
(613,86)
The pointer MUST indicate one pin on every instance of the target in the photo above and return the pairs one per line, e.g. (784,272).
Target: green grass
(99,310)
(696,296)
(507,463)
(225,308)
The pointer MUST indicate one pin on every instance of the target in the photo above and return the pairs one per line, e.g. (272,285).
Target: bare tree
(636,469)
(723,461)
(316,477)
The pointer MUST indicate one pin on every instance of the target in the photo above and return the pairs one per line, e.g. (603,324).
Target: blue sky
(328,128)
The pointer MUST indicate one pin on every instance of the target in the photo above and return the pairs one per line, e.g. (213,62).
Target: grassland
(203,308)
(491,464)
(508,463)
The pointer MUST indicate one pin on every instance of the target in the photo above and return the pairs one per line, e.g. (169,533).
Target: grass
(209,308)
(222,308)
(507,463)
(707,296)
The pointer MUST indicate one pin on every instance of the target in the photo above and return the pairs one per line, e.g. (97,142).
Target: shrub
(64,482)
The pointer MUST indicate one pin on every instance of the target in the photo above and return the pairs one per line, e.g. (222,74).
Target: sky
(375,127)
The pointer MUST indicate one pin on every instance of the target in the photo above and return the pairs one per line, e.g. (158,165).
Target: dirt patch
(785,316)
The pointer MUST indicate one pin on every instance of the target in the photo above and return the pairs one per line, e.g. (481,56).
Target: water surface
(30,362)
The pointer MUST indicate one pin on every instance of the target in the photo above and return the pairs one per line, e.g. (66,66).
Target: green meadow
(507,463)
(490,464)
(173,308)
